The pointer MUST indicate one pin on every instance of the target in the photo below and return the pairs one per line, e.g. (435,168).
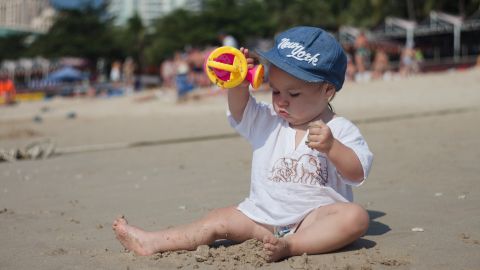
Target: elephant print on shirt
(307,170)
(283,170)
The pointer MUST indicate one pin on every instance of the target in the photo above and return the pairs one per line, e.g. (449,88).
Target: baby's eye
(294,94)
(275,92)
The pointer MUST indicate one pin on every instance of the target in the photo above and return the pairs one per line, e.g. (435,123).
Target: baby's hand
(250,64)
(319,137)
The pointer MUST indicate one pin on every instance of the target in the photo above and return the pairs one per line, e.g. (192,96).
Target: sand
(162,164)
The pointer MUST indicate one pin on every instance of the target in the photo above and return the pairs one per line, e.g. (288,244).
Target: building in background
(36,16)
(148,10)
(25,16)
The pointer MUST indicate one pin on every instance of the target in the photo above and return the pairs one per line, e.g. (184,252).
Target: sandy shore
(163,164)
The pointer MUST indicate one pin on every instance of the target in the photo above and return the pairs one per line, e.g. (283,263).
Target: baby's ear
(330,92)
(330,89)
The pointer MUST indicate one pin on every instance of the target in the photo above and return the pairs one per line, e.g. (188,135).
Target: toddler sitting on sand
(305,161)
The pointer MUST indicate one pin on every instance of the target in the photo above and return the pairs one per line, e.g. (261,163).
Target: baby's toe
(270,239)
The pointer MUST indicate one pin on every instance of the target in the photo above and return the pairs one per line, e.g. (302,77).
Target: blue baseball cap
(309,54)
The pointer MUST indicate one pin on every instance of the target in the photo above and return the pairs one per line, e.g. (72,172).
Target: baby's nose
(282,101)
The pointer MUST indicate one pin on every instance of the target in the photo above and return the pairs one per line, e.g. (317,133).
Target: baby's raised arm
(238,96)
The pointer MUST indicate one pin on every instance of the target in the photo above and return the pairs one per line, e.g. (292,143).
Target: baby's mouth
(283,112)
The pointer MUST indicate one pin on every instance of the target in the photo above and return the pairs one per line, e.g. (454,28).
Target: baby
(305,161)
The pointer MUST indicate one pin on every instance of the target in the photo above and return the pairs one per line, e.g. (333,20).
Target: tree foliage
(12,47)
(79,33)
(131,40)
(88,33)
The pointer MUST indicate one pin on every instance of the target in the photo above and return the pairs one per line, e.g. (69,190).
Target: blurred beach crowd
(171,59)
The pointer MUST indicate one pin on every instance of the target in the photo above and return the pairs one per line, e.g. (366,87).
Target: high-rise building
(148,10)
(34,16)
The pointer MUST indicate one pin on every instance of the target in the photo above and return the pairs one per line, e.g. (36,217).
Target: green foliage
(12,47)
(131,39)
(88,33)
(286,14)
(171,34)
(182,29)
(79,33)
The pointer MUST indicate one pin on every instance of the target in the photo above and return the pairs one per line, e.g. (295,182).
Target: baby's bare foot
(132,238)
(275,248)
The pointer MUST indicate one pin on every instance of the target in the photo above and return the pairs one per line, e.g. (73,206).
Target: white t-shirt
(288,183)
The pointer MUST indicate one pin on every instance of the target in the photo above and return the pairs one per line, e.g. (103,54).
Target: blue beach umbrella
(65,74)
(75,4)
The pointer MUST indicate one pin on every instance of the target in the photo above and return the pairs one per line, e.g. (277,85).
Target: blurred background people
(128,74)
(362,57)
(183,82)
(351,69)
(410,60)
(380,64)
(7,89)
(227,40)
(116,72)
(167,73)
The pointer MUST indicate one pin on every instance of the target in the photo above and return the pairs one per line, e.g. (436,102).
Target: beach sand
(161,164)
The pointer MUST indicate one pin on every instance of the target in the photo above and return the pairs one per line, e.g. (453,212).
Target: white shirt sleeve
(348,134)
(257,121)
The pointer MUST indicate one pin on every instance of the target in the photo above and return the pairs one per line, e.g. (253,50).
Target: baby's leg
(225,223)
(325,229)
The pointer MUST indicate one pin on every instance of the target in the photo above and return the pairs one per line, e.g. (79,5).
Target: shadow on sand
(375,228)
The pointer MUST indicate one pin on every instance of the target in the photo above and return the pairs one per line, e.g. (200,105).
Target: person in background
(7,89)
(196,60)
(227,40)
(351,69)
(183,80)
(362,57)
(116,72)
(380,64)
(128,74)
(167,73)
(408,61)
